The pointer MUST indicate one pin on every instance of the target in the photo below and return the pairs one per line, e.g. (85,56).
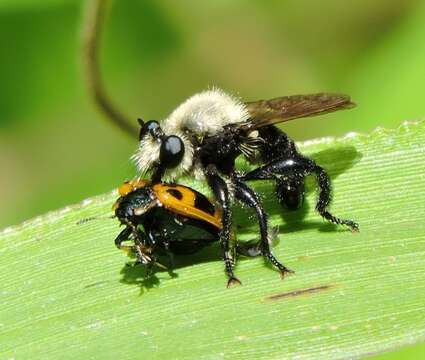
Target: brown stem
(92,26)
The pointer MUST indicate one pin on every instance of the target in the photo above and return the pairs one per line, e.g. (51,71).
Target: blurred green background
(56,149)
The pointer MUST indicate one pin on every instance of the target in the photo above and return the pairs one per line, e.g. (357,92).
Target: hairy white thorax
(203,114)
(206,113)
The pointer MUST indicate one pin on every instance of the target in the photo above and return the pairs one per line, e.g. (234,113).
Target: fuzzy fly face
(171,153)
(202,115)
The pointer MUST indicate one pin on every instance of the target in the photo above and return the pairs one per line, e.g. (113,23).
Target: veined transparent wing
(273,111)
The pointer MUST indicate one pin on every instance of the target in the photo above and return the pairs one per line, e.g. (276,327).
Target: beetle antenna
(86,220)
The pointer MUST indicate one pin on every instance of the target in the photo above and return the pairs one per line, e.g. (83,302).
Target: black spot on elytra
(202,203)
(177,194)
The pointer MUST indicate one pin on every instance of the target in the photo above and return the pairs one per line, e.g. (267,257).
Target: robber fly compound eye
(172,151)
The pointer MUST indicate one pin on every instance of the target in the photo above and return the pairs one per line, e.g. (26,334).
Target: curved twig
(92,25)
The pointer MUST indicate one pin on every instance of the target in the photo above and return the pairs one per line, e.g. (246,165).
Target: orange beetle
(164,218)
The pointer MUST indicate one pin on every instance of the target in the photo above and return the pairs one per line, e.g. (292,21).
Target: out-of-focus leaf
(38,62)
(388,83)
(13,5)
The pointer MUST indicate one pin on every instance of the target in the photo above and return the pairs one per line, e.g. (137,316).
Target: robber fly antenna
(86,220)
(142,126)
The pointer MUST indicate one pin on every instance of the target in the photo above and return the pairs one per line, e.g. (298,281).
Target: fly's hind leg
(250,198)
(296,168)
(324,184)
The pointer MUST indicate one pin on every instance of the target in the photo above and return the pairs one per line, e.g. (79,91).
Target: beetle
(169,219)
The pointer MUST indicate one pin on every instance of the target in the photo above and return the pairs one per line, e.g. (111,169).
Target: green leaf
(66,292)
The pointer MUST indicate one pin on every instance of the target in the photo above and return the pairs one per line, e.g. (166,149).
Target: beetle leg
(221,193)
(123,236)
(298,167)
(250,198)
(169,254)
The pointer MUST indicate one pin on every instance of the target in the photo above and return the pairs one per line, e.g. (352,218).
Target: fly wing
(273,111)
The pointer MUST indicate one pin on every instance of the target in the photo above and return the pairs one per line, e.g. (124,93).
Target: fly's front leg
(250,198)
(221,193)
(158,173)
(296,168)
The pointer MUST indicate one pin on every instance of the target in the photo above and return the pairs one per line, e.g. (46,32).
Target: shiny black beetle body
(165,219)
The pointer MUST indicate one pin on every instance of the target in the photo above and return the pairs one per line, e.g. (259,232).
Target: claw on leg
(354,227)
(233,281)
(284,272)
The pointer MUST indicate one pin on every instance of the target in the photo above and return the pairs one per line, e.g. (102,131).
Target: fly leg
(250,198)
(296,168)
(221,193)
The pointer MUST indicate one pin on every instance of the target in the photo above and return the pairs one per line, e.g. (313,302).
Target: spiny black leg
(249,197)
(298,167)
(324,184)
(221,193)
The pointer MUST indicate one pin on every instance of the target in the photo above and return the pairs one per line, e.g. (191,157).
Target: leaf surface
(66,292)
